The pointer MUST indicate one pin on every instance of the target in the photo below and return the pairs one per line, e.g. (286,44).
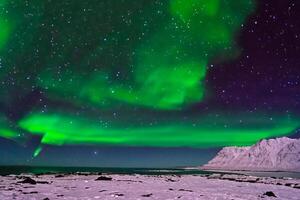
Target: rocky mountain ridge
(280,154)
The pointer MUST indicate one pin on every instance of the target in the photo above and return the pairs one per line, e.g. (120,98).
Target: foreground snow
(280,154)
(83,187)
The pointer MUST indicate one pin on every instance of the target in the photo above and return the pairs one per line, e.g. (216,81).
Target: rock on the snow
(270,194)
(103,178)
(28,180)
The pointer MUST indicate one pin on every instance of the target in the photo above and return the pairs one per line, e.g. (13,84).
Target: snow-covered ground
(84,187)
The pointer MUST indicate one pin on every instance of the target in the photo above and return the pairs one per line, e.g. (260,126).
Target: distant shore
(277,174)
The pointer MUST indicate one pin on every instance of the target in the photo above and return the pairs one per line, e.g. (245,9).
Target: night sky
(140,83)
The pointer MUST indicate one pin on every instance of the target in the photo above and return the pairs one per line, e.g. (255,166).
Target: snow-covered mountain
(281,154)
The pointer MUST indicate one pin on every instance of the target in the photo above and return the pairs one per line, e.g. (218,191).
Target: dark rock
(46,198)
(230,179)
(103,178)
(270,194)
(297,186)
(28,181)
(42,182)
(28,187)
(59,176)
(184,190)
(147,195)
(238,180)
(33,192)
(170,180)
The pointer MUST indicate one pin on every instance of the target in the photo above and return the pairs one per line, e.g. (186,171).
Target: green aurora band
(7,129)
(62,129)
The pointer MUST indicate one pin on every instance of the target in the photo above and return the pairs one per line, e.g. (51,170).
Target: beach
(84,186)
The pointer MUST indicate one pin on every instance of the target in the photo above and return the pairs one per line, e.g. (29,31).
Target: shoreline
(277,174)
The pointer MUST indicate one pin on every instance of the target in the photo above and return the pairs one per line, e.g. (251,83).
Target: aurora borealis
(153,74)
(154,55)
(74,130)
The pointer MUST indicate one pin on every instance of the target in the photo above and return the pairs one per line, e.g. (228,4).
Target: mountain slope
(281,154)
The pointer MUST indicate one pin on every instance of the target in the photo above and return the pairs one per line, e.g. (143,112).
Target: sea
(7,170)
(38,170)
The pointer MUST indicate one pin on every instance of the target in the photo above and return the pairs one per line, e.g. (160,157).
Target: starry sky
(158,83)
